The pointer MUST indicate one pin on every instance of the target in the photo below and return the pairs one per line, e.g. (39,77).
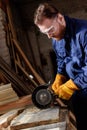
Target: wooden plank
(2,78)
(71,126)
(5,86)
(63,105)
(54,126)
(18,84)
(16,43)
(7,94)
(25,72)
(9,14)
(22,102)
(37,118)
(6,118)
(34,73)
(10,99)
(33,114)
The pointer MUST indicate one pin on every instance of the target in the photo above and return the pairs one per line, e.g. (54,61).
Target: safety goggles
(51,29)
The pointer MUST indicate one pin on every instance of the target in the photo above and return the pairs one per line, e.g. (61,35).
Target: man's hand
(59,80)
(66,90)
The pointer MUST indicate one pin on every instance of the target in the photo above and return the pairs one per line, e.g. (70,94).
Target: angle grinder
(43,97)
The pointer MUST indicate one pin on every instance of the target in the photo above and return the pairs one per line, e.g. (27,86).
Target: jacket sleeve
(60,66)
(60,52)
(81,79)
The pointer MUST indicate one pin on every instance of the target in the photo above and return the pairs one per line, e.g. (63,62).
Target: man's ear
(61,19)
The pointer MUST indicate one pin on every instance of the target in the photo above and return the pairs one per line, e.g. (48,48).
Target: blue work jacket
(71,51)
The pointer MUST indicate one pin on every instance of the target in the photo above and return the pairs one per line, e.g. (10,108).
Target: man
(69,40)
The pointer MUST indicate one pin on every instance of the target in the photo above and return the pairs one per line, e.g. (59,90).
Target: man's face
(53,28)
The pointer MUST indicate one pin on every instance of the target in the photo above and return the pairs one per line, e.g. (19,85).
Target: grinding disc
(42,97)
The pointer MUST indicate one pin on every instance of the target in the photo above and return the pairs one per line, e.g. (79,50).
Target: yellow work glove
(59,79)
(66,90)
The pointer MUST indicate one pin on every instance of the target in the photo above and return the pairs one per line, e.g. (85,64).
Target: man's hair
(44,10)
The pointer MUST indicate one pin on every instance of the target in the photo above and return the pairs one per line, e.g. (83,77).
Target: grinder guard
(42,97)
